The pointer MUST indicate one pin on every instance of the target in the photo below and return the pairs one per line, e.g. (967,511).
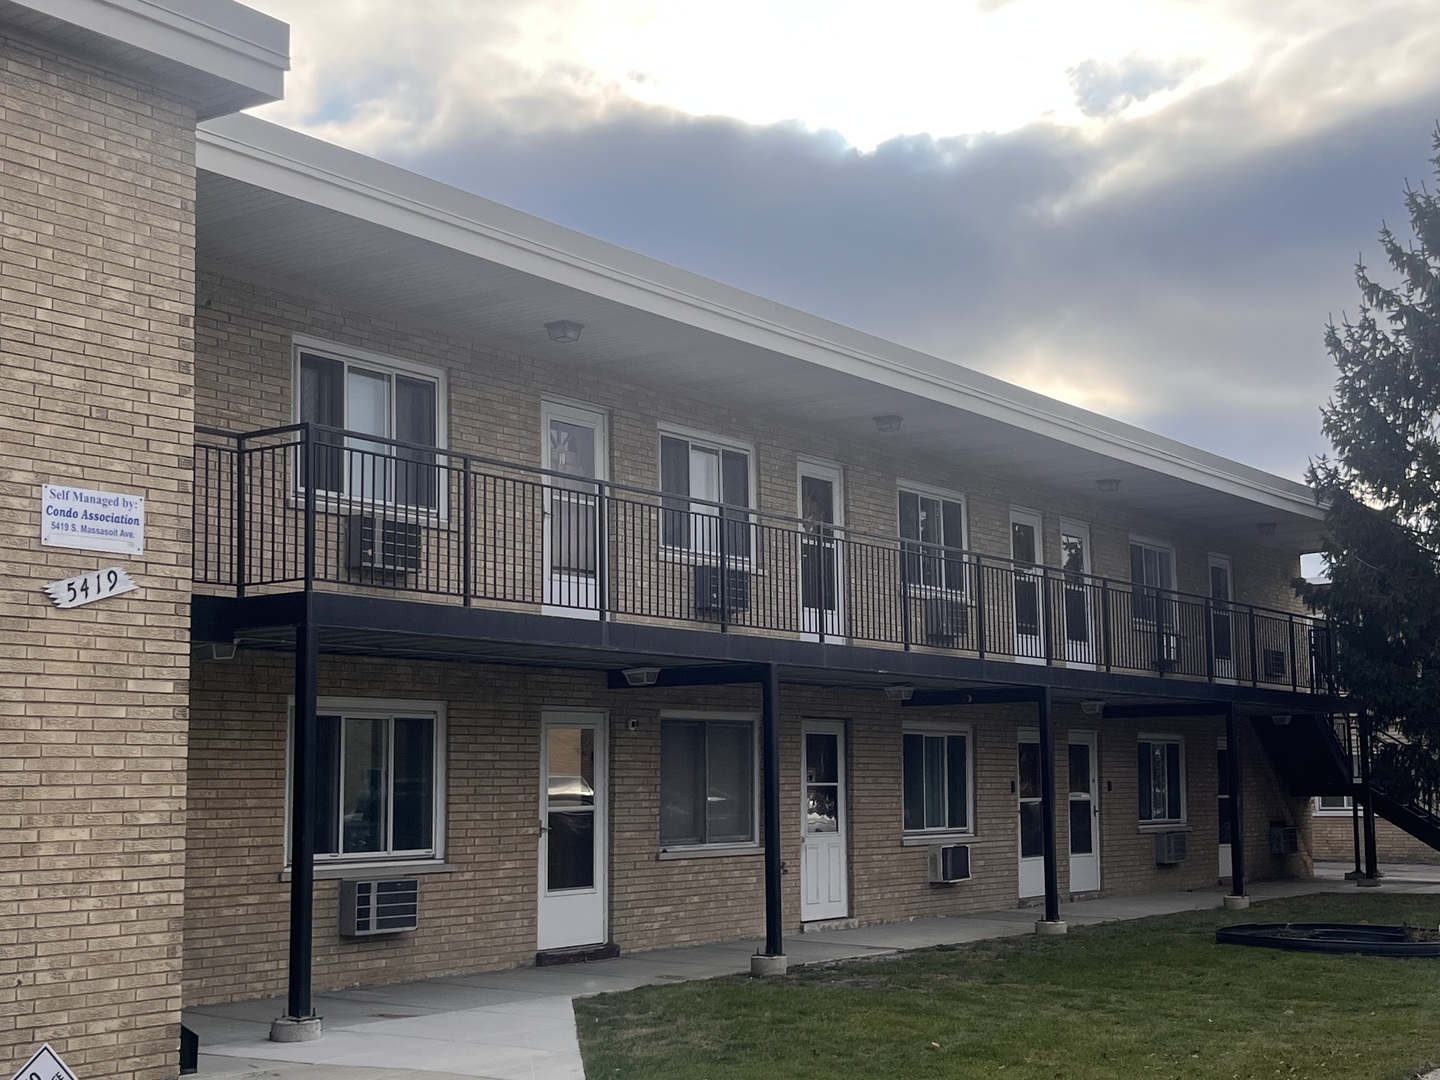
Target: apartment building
(505,597)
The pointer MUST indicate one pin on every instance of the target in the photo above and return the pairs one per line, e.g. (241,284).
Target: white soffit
(309,171)
(220,55)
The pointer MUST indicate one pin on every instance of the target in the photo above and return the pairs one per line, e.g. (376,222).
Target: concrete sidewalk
(519,1024)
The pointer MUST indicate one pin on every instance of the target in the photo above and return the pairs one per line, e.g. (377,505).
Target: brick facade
(96,309)
(482,913)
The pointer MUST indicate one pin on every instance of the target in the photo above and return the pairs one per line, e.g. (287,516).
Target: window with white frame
(1160,764)
(707,780)
(378,780)
(932,531)
(384,399)
(708,483)
(937,777)
(1152,573)
(1334,804)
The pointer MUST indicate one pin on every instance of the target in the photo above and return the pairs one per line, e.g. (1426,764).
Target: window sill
(929,839)
(713,851)
(357,871)
(691,557)
(1164,826)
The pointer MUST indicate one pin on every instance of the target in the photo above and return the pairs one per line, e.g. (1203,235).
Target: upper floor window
(388,400)
(711,482)
(1152,571)
(932,527)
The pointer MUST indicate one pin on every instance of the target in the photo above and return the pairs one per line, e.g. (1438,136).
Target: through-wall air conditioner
(1272,665)
(945,618)
(1284,840)
(949,863)
(707,589)
(379,543)
(379,907)
(1170,847)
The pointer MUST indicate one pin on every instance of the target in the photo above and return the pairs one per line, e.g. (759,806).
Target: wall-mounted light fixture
(565,330)
(641,676)
(1093,708)
(900,692)
(1280,719)
(889,423)
(1108,483)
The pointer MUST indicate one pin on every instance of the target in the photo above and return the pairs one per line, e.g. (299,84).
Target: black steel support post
(770,725)
(302,837)
(1237,816)
(1372,858)
(1047,806)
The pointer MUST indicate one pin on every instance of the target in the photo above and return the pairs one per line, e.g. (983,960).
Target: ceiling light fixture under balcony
(1109,483)
(564,330)
(889,422)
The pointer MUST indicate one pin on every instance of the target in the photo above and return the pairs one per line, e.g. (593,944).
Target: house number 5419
(87,588)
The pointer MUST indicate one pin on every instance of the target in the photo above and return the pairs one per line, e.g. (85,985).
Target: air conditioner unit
(1284,840)
(945,618)
(1272,665)
(379,907)
(377,543)
(949,863)
(1170,847)
(707,589)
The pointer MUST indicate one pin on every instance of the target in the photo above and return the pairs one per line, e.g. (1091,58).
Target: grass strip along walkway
(1151,998)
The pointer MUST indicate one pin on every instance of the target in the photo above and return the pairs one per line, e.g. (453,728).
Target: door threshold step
(577,954)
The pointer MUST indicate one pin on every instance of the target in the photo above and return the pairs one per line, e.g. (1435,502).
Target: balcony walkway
(519,1024)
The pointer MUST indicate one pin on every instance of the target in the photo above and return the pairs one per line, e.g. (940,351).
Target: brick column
(97,202)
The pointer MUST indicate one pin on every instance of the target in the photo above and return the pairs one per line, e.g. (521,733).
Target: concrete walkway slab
(520,1024)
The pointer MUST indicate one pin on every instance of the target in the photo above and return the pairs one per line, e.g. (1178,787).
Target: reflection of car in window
(570,791)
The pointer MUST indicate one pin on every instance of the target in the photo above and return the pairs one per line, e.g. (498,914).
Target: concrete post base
(1369,883)
(1237,903)
(288,1029)
(1045,928)
(761,965)
(1354,875)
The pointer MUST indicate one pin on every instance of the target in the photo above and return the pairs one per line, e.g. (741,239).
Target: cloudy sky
(1145,207)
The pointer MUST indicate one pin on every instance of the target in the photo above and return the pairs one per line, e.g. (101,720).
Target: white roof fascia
(277,159)
(220,38)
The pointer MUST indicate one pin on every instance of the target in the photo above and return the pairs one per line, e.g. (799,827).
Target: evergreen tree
(1383,485)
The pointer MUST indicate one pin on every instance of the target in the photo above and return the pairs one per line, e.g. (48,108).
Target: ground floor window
(937,780)
(1334,804)
(1161,766)
(707,781)
(378,780)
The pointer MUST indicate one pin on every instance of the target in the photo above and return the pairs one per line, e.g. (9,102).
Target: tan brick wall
(244,382)
(482,915)
(1334,840)
(96,351)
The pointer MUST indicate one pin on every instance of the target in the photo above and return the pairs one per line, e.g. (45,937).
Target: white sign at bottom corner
(45,1065)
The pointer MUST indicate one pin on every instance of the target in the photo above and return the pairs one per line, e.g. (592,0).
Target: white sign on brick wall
(45,1065)
(92,520)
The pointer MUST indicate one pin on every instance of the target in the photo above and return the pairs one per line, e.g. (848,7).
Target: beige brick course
(96,347)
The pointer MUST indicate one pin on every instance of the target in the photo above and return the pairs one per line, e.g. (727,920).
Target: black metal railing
(307,505)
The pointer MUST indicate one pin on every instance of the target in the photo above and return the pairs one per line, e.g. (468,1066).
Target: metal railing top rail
(747,516)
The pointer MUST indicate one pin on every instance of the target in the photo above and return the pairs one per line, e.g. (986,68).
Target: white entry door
(1222,628)
(573,830)
(1032,819)
(1028,600)
(577,447)
(1084,814)
(824,865)
(1222,764)
(1076,608)
(822,513)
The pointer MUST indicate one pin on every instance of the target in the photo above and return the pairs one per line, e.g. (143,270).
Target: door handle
(544,828)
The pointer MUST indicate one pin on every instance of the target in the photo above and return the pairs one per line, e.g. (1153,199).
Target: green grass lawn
(1151,998)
